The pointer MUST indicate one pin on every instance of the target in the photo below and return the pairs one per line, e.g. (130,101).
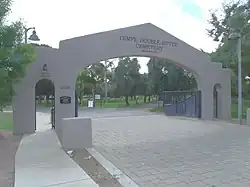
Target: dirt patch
(8,147)
(94,169)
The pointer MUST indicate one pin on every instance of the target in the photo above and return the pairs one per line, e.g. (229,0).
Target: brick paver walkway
(160,151)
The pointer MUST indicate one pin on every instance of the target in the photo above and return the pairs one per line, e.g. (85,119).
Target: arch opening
(44,102)
(133,81)
(158,57)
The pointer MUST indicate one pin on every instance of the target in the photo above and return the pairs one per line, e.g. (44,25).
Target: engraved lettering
(148,44)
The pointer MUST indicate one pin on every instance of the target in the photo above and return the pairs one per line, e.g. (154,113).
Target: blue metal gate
(182,103)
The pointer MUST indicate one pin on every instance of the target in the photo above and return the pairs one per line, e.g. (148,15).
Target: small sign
(90,104)
(65,100)
(97,96)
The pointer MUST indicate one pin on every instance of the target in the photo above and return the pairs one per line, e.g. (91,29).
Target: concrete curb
(123,179)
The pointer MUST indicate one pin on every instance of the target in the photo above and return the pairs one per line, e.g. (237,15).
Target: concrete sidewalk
(41,162)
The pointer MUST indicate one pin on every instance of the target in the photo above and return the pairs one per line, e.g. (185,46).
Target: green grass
(111,103)
(160,109)
(6,121)
(44,104)
(120,103)
(117,103)
(246,105)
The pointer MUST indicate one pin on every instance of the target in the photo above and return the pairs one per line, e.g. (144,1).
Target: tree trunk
(126,100)
(80,98)
(39,100)
(93,93)
(47,99)
(149,99)
(136,100)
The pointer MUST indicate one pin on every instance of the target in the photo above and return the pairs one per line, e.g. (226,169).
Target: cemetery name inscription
(147,44)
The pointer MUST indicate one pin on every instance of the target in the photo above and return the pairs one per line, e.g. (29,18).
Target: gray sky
(56,20)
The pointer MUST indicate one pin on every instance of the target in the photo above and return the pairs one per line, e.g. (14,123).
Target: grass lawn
(112,103)
(120,103)
(160,109)
(246,105)
(117,103)
(6,121)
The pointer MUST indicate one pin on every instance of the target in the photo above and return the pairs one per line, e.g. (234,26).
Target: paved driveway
(154,150)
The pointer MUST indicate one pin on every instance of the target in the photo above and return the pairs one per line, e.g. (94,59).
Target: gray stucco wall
(73,55)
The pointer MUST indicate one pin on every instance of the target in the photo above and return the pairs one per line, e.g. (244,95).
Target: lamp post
(32,37)
(237,36)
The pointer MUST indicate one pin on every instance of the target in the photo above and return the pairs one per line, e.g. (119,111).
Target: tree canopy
(126,80)
(14,55)
(233,17)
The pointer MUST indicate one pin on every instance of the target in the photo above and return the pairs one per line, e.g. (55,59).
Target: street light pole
(236,35)
(26,34)
(239,79)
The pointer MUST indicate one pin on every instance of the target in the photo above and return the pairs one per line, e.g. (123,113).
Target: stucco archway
(144,40)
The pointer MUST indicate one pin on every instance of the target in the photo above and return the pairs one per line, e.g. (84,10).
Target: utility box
(76,133)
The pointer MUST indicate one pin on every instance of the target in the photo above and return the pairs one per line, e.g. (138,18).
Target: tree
(14,57)
(166,76)
(155,74)
(106,65)
(235,17)
(126,80)
(126,77)
(80,86)
(90,78)
(144,87)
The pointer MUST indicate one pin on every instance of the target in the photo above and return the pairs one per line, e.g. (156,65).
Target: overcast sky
(56,20)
